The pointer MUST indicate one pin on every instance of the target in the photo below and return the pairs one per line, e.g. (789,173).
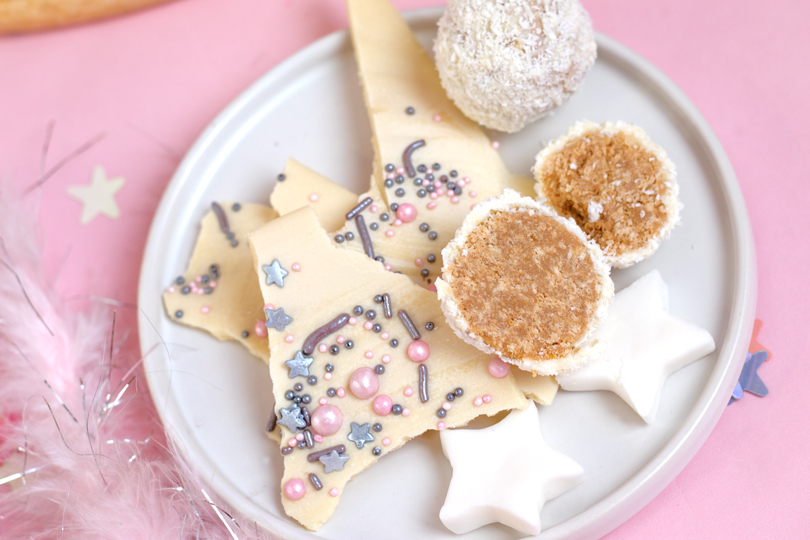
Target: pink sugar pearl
(289,338)
(408,391)
(487,398)
(387,267)
(294,489)
(382,405)
(419,262)
(323,401)
(406,411)
(434,195)
(317,438)
(260,329)
(406,212)
(385,335)
(341,340)
(369,354)
(431,205)
(368,325)
(313,197)
(364,383)
(341,392)
(437,118)
(441,425)
(296,267)
(322,347)
(478,401)
(373,208)
(326,420)
(418,351)
(352,320)
(386,441)
(498,368)
(334,492)
(389,233)
(205,309)
(269,306)
(386,358)
(327,376)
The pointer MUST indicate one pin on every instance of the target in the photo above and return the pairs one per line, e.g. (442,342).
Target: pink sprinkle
(205,309)
(439,192)
(461,183)
(397,222)
(382,405)
(387,267)
(437,118)
(418,351)
(400,170)
(373,208)
(318,438)
(292,442)
(406,213)
(364,383)
(198,279)
(386,358)
(341,392)
(327,376)
(473,194)
(171,289)
(322,347)
(386,441)
(408,391)
(294,489)
(269,306)
(212,284)
(389,233)
(498,368)
(446,406)
(390,176)
(334,492)
(368,325)
(296,267)
(323,401)
(369,354)
(419,262)
(384,335)
(313,197)
(326,420)
(495,144)
(199,291)
(467,179)
(289,338)
(260,329)
(431,205)
(299,436)
(437,184)
(406,411)
(487,398)
(450,193)
(352,320)
(478,401)
(441,425)
(341,340)
(454,200)
(434,196)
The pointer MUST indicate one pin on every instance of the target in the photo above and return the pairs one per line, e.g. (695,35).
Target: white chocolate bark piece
(540,388)
(353,375)
(418,135)
(218,292)
(525,284)
(301,186)
(643,345)
(504,473)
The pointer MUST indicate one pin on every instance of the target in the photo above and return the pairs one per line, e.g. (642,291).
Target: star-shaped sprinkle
(275,273)
(749,378)
(360,434)
(333,461)
(299,365)
(277,319)
(292,418)
(98,197)
(504,473)
(642,344)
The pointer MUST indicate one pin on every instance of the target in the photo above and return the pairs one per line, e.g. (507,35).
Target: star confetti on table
(299,365)
(749,378)
(333,461)
(276,318)
(494,480)
(275,273)
(98,197)
(642,345)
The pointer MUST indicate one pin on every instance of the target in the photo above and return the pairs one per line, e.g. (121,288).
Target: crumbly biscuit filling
(526,285)
(611,186)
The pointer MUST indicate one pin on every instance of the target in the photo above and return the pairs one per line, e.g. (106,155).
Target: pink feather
(94,467)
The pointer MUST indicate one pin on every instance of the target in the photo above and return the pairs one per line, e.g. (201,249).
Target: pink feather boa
(77,421)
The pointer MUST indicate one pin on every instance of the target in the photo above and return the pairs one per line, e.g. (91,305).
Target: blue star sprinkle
(292,418)
(277,319)
(360,434)
(749,378)
(275,273)
(333,461)
(299,366)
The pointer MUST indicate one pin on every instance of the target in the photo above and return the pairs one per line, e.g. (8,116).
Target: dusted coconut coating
(522,282)
(616,183)
(507,63)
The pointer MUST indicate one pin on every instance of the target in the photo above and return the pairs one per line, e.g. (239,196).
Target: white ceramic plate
(215,398)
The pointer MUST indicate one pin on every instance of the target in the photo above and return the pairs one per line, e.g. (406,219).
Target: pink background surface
(153,80)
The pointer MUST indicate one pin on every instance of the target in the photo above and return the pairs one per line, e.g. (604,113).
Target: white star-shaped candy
(643,345)
(504,473)
(98,197)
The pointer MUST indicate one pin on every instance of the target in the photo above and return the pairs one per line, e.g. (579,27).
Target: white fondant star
(643,345)
(99,196)
(504,473)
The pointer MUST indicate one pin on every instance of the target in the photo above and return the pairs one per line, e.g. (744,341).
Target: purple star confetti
(749,378)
